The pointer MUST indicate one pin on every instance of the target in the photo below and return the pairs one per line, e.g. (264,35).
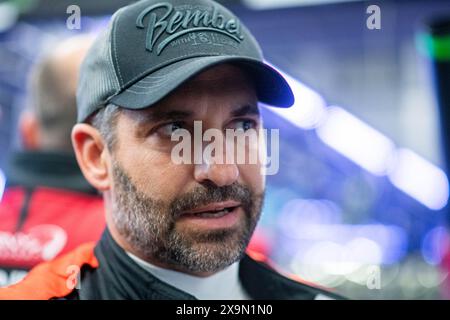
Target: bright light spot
(2,184)
(338,259)
(365,251)
(420,179)
(332,257)
(327,262)
(306,222)
(306,218)
(392,240)
(309,108)
(357,141)
(312,268)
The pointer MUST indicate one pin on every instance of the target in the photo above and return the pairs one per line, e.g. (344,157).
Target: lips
(213,210)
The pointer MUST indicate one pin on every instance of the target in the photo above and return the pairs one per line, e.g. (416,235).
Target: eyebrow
(162,115)
(246,110)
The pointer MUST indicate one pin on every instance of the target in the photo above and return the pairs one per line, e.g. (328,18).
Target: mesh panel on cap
(98,80)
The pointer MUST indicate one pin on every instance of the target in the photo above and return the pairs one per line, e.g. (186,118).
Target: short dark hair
(105,121)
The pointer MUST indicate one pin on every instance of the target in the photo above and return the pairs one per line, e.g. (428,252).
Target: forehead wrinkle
(199,102)
(202,96)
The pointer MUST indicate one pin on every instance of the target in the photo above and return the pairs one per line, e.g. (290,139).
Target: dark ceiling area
(52,8)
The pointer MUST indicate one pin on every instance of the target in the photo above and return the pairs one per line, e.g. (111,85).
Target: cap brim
(271,87)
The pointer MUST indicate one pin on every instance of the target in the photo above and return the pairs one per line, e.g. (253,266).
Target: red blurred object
(57,222)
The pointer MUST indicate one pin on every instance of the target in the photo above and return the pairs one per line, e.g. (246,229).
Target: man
(174,230)
(48,207)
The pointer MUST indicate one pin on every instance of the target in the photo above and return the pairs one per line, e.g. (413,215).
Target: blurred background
(359,204)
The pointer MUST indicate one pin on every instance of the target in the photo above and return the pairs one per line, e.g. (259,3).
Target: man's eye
(244,124)
(170,128)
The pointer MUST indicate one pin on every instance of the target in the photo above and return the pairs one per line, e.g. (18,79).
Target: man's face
(195,218)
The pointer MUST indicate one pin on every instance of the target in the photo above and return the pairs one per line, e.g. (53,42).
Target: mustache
(208,193)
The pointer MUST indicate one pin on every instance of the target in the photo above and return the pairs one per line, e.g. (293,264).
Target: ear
(29,129)
(92,155)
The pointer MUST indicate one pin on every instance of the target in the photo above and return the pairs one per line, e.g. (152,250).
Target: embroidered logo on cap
(175,23)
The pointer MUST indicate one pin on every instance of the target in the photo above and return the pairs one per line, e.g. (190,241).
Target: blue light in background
(309,109)
(309,222)
(357,141)
(366,146)
(420,179)
(2,184)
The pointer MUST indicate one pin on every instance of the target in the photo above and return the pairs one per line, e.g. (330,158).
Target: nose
(219,174)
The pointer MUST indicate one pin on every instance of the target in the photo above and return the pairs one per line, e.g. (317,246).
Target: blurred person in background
(48,207)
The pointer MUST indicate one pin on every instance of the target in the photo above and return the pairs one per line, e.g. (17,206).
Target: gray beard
(149,227)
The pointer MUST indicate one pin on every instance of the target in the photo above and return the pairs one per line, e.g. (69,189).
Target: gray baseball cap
(152,47)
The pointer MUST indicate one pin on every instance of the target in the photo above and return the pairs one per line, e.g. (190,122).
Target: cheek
(154,173)
(250,175)
(253,174)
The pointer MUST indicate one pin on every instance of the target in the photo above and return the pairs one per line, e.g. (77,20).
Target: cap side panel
(98,81)
(114,47)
